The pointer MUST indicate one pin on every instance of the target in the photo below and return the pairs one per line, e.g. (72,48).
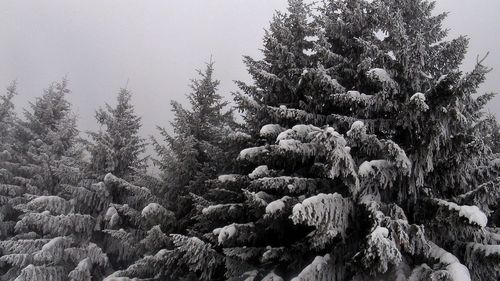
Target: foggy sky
(153,47)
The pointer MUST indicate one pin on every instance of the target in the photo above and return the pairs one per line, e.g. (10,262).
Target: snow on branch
(271,130)
(455,270)
(260,172)
(319,270)
(472,213)
(380,253)
(141,195)
(44,223)
(235,234)
(36,273)
(197,255)
(485,196)
(381,75)
(329,213)
(301,132)
(289,185)
(53,204)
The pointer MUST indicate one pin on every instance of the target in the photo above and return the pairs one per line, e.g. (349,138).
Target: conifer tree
(371,174)
(117,147)
(287,52)
(205,143)
(133,223)
(199,147)
(7,122)
(47,211)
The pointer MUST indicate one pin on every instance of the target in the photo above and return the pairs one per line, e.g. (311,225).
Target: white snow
(290,145)
(252,152)
(213,208)
(239,136)
(259,172)
(358,125)
(419,100)
(110,212)
(371,167)
(380,232)
(380,74)
(457,270)
(275,206)
(300,131)
(152,209)
(418,97)
(472,213)
(441,78)
(311,38)
(357,95)
(487,250)
(216,231)
(357,130)
(54,243)
(381,34)
(314,270)
(271,130)
(227,178)
(226,232)
(272,277)
(391,55)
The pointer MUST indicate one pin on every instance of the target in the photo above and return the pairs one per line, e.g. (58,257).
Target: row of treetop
(364,152)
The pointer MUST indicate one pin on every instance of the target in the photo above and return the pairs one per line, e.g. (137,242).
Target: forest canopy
(360,150)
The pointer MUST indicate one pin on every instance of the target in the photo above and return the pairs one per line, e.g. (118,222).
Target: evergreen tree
(118,147)
(199,148)
(7,122)
(204,144)
(371,173)
(279,75)
(133,223)
(47,211)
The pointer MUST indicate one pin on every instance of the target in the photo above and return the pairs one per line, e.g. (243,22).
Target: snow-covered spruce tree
(278,77)
(7,114)
(372,173)
(117,147)
(133,224)
(205,143)
(7,122)
(202,144)
(46,215)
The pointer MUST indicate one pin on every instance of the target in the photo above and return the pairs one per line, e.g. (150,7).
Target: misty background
(154,48)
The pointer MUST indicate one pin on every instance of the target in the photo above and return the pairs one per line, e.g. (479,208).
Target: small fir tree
(47,211)
(117,147)
(199,148)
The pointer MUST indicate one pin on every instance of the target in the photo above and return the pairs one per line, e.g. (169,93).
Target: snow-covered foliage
(118,147)
(368,154)
(365,154)
(472,213)
(328,213)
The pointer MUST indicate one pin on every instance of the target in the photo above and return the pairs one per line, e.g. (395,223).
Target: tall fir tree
(199,148)
(287,57)
(117,148)
(204,144)
(47,211)
(372,172)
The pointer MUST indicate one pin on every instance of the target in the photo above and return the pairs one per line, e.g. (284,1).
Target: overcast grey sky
(156,45)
